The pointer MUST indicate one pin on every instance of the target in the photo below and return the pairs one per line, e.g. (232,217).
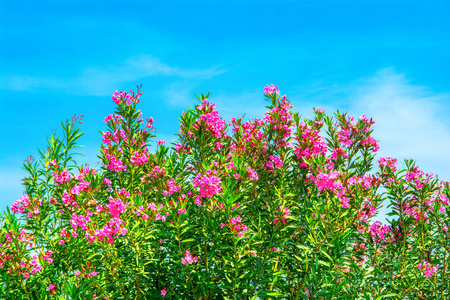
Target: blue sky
(387,59)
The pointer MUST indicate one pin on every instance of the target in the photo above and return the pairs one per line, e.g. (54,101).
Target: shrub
(278,208)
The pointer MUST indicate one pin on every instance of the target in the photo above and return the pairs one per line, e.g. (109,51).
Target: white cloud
(179,94)
(100,81)
(410,120)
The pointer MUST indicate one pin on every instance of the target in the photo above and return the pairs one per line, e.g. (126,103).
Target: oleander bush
(279,207)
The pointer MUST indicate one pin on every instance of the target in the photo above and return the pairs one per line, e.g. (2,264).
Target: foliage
(278,208)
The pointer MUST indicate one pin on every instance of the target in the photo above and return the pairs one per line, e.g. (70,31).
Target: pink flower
(171,187)
(236,226)
(20,205)
(388,162)
(270,89)
(181,211)
(253,174)
(116,165)
(149,122)
(163,292)
(328,181)
(107,182)
(307,292)
(64,176)
(379,232)
(281,219)
(138,158)
(344,202)
(428,270)
(188,258)
(211,120)
(123,231)
(62,242)
(116,207)
(115,118)
(273,159)
(125,97)
(77,273)
(51,287)
(209,185)
(338,151)
(364,259)
(161,217)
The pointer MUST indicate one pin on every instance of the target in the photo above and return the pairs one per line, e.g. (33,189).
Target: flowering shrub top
(277,208)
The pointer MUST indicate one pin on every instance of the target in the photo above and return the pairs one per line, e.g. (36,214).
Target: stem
(316,250)
(275,268)
(25,288)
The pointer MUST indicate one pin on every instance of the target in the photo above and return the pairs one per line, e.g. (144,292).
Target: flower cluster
(280,218)
(273,160)
(428,270)
(252,173)
(20,205)
(270,89)
(310,144)
(125,97)
(62,177)
(208,184)
(116,164)
(188,258)
(236,226)
(379,232)
(139,158)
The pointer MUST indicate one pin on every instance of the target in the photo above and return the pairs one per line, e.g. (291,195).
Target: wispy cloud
(411,120)
(99,81)
(179,94)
